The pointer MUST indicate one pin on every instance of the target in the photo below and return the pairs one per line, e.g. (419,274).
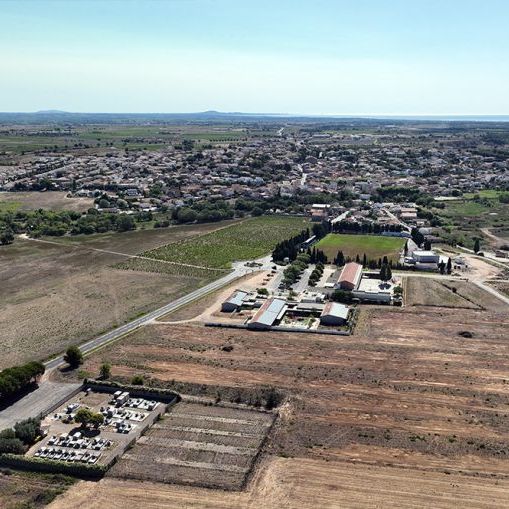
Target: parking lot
(125,418)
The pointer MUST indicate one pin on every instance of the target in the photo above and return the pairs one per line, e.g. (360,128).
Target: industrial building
(334,314)
(425,256)
(350,277)
(271,311)
(234,301)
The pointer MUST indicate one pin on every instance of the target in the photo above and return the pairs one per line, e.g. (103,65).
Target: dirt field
(424,291)
(406,389)
(197,444)
(303,483)
(54,295)
(52,200)
(20,490)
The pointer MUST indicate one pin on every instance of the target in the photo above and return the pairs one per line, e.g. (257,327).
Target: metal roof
(269,312)
(335,309)
(237,298)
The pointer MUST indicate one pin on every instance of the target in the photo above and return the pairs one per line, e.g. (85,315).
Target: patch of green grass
(247,240)
(374,246)
(483,193)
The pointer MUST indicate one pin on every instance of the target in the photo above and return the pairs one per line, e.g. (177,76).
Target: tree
(11,445)
(73,357)
(28,430)
(449,265)
(125,223)
(385,272)
(86,417)
(105,371)
(477,245)
(137,380)
(6,237)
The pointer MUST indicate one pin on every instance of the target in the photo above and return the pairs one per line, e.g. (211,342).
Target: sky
(355,57)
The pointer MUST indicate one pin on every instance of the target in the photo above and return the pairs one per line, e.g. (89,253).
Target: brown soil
(406,385)
(304,484)
(56,295)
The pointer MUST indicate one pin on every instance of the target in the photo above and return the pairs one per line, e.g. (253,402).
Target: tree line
(16,380)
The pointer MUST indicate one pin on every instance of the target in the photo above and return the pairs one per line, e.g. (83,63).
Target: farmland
(58,293)
(352,245)
(29,490)
(405,401)
(251,239)
(422,291)
(280,484)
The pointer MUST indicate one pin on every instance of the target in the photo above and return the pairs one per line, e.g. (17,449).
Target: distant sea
(447,118)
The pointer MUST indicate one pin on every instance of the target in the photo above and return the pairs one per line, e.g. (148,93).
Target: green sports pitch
(374,246)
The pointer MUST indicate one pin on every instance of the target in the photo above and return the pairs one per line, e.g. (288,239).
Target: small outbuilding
(234,301)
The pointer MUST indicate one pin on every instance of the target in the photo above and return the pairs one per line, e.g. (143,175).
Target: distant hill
(203,117)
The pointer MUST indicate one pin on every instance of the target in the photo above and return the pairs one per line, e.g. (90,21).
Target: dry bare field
(54,295)
(425,291)
(52,200)
(407,389)
(302,484)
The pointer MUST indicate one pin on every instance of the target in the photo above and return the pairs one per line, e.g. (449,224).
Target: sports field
(374,246)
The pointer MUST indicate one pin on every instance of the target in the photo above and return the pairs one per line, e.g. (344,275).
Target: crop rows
(248,240)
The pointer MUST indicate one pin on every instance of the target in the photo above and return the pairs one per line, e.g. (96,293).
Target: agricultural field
(296,483)
(248,240)
(407,400)
(424,291)
(60,292)
(50,200)
(20,490)
(199,445)
(374,246)
(465,219)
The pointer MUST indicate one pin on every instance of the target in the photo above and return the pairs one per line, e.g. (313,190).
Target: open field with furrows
(199,445)
(64,292)
(51,200)
(425,291)
(373,246)
(247,240)
(405,390)
(302,483)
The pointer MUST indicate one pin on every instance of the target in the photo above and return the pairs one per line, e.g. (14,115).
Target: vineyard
(248,240)
(203,276)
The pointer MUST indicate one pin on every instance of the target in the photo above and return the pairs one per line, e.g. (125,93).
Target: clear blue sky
(292,56)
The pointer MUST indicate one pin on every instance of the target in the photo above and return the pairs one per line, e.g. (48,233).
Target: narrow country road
(50,393)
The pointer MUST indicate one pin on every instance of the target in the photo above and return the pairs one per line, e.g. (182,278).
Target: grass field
(248,240)
(374,246)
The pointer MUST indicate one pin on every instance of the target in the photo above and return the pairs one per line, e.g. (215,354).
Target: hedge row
(155,391)
(53,466)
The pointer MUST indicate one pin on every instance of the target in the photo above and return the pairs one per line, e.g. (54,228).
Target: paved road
(239,271)
(36,403)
